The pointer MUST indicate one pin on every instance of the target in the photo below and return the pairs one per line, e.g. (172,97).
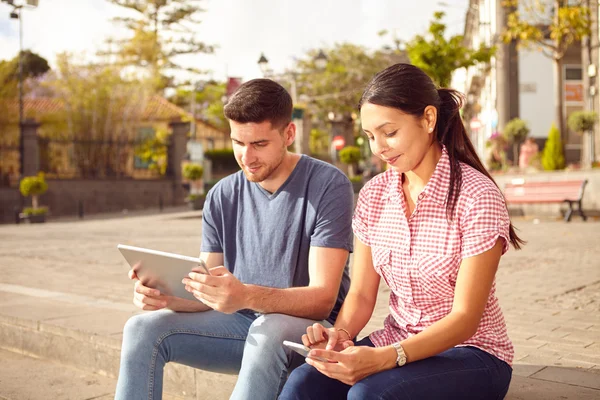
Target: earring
(430,129)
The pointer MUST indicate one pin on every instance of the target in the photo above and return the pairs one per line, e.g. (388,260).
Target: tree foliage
(161,30)
(102,110)
(338,87)
(550,30)
(33,67)
(439,57)
(208,102)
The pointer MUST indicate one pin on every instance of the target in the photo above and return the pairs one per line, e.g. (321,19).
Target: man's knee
(275,328)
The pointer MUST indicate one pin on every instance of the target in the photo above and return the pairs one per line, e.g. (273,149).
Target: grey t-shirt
(265,238)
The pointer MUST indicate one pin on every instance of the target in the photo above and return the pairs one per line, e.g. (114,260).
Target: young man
(276,236)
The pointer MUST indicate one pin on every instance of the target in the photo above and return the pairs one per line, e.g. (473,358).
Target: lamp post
(17,13)
(320,62)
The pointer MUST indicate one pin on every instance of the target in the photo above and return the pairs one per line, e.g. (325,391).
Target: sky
(241,29)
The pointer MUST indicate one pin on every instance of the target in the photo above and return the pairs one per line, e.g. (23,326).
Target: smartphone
(202,265)
(302,350)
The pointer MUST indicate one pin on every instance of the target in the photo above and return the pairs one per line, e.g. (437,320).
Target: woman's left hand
(349,365)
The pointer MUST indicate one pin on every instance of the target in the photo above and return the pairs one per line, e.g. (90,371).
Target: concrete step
(75,333)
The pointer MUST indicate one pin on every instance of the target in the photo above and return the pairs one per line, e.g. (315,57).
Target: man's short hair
(260,100)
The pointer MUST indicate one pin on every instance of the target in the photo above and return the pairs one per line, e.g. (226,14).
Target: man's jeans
(247,344)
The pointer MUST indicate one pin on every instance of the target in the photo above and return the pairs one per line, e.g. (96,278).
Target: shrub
(193,172)
(553,157)
(515,131)
(350,155)
(582,121)
(33,186)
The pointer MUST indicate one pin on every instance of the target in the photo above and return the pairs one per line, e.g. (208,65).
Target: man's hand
(220,290)
(319,337)
(352,364)
(150,299)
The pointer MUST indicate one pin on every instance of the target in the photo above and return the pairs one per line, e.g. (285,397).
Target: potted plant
(34,186)
(515,132)
(193,173)
(582,122)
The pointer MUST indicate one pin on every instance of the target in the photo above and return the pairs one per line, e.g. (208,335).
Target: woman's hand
(319,337)
(353,363)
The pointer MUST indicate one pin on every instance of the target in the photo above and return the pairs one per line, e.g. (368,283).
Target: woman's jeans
(247,344)
(463,373)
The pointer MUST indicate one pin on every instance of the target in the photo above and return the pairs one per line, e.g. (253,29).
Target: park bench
(521,192)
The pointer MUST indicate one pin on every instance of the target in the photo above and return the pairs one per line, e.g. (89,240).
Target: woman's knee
(300,382)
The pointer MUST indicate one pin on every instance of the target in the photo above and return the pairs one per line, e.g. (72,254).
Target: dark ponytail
(409,89)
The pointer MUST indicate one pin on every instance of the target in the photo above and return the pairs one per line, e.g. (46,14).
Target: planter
(33,218)
(196,203)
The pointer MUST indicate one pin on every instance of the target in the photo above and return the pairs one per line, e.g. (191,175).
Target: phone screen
(302,350)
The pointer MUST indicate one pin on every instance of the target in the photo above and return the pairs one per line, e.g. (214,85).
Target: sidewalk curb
(100,355)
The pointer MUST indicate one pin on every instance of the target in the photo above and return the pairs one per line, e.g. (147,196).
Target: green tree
(439,57)
(33,66)
(161,30)
(337,88)
(552,32)
(208,102)
(515,131)
(102,107)
(553,157)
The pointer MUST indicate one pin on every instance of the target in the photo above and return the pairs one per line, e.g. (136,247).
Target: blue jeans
(463,373)
(242,343)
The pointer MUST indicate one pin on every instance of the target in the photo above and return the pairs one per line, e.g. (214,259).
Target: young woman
(433,226)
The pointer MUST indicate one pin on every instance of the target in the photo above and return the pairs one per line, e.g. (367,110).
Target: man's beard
(264,172)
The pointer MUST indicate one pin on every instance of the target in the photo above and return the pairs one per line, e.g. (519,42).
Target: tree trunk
(34,201)
(558,98)
(516,153)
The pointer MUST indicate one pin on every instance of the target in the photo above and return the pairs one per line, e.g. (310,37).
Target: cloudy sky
(242,29)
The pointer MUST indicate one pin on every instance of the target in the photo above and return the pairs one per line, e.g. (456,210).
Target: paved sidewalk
(64,297)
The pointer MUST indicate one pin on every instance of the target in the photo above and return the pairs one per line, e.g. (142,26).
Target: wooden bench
(521,192)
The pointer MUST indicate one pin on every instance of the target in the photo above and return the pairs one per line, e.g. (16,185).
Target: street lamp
(17,13)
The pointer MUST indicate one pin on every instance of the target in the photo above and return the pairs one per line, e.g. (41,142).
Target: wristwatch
(401,359)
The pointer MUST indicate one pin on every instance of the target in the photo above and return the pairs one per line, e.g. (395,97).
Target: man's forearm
(305,302)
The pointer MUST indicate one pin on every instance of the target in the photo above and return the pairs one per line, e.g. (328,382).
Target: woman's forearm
(355,313)
(446,333)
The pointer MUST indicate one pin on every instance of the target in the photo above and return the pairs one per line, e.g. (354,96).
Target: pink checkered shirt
(419,257)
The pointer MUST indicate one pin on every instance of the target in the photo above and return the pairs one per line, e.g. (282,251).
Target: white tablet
(161,270)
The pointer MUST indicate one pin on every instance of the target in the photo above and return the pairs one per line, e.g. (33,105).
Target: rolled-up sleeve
(485,220)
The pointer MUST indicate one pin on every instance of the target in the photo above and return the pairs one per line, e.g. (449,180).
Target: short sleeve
(334,218)
(212,240)
(360,221)
(485,220)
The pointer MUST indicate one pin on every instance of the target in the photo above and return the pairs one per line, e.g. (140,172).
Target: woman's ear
(430,118)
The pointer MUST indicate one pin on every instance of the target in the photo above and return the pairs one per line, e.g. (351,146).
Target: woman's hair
(408,89)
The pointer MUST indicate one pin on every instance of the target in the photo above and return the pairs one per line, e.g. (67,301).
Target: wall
(63,196)
(10,199)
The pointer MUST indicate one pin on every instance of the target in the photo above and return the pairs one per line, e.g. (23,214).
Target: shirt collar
(436,188)
(439,183)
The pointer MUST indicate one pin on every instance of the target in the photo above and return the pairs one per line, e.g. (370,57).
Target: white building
(517,83)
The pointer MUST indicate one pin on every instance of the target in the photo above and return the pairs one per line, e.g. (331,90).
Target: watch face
(401,361)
